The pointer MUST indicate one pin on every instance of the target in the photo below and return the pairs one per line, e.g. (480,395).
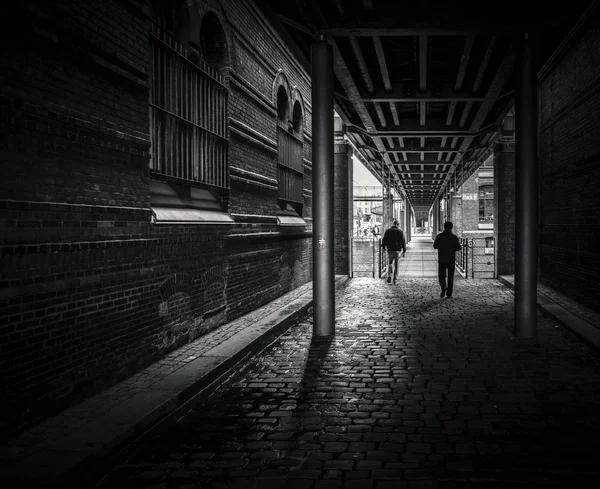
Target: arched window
(283,107)
(298,119)
(486,203)
(188,102)
(290,168)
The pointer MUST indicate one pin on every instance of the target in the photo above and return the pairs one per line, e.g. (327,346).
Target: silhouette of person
(447,245)
(393,240)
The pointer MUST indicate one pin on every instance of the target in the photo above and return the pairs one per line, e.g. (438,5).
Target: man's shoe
(394,281)
(449,296)
(443,292)
(389,280)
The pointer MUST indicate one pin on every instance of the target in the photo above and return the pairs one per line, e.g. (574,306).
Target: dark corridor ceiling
(422,86)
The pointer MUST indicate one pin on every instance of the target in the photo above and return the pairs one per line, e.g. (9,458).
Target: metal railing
(461,258)
(368,259)
(482,258)
(475,260)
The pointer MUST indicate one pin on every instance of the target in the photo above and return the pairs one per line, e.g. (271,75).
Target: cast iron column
(409,232)
(323,184)
(406,214)
(526,194)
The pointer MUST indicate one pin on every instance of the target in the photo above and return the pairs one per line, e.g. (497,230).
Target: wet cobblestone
(413,391)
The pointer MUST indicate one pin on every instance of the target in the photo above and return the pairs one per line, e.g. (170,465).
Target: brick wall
(342,207)
(90,290)
(504,194)
(464,214)
(569,149)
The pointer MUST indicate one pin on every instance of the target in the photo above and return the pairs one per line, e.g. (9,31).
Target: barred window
(188,116)
(290,168)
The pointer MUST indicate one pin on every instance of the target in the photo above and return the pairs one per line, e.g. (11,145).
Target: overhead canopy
(423,87)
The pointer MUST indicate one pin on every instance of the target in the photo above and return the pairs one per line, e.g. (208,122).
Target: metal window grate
(188,116)
(290,171)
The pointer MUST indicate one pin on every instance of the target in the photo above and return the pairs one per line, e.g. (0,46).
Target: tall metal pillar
(405,223)
(323,187)
(408,228)
(526,193)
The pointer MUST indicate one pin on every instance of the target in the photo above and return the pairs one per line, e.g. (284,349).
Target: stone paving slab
(100,424)
(413,391)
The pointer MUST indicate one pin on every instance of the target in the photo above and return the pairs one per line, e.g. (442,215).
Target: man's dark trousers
(442,268)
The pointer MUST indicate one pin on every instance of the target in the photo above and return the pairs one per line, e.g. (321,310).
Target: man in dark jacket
(447,245)
(393,241)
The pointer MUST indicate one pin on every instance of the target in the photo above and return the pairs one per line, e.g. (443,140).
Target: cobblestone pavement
(413,391)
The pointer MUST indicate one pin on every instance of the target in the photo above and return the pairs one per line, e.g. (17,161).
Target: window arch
(290,166)
(283,106)
(213,43)
(188,99)
(298,119)
(298,113)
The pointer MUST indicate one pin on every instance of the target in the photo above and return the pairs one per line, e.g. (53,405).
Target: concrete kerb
(278,323)
(585,331)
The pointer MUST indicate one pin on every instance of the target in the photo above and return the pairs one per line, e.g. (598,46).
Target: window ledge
(175,215)
(290,221)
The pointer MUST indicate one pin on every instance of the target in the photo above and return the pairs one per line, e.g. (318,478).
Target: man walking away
(393,241)
(447,245)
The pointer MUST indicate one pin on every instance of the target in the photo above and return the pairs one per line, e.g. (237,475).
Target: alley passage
(413,391)
(420,259)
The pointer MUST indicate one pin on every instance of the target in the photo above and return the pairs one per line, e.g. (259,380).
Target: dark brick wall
(569,149)
(90,290)
(504,195)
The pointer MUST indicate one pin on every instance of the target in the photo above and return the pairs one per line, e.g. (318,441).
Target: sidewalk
(102,423)
(580,320)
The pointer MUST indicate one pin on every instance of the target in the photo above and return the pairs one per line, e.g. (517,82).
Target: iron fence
(462,258)
(368,259)
(482,257)
(476,259)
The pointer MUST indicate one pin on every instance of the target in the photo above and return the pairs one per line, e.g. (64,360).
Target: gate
(367,257)
(483,261)
(476,259)
(462,258)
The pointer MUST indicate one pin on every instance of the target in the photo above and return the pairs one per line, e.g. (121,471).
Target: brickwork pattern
(412,391)
(90,291)
(341,208)
(464,214)
(45,434)
(569,102)
(504,192)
